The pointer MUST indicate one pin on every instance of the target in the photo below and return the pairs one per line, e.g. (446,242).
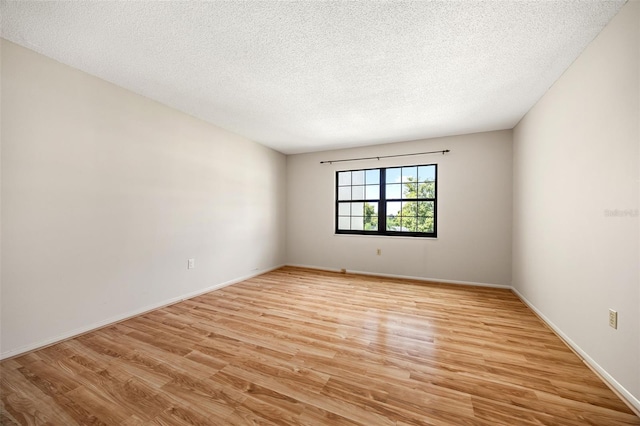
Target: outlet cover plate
(613,319)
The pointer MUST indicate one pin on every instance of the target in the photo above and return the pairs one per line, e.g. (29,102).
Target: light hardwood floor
(296,346)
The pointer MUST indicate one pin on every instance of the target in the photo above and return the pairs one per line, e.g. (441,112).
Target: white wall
(106,194)
(576,160)
(474,212)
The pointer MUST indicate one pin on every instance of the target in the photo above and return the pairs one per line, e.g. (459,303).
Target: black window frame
(382,205)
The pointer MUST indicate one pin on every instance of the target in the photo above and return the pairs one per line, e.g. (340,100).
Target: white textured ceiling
(312,75)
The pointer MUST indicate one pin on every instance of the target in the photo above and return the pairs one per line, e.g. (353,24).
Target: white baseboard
(100,324)
(405,277)
(624,393)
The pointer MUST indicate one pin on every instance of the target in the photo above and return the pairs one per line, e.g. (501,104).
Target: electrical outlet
(613,319)
(379,252)
(191,263)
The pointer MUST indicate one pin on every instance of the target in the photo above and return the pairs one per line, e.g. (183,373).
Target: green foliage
(370,217)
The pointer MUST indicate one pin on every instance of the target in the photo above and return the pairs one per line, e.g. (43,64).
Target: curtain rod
(386,156)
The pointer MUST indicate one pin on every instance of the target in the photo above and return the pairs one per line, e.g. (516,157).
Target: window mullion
(382,207)
(337,216)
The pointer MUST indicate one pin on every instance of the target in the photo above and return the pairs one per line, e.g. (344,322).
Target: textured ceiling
(312,75)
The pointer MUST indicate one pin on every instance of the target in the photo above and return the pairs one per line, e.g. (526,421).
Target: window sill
(408,237)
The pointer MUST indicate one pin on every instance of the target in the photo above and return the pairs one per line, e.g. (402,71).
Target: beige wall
(576,191)
(474,212)
(106,194)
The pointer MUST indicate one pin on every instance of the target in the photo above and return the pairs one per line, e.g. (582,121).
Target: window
(387,201)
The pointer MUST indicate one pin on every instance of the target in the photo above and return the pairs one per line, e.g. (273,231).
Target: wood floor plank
(177,415)
(303,347)
(24,402)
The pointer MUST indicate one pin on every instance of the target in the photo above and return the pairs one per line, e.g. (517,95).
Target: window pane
(409,224)
(410,190)
(393,175)
(344,209)
(344,178)
(427,173)
(370,208)
(409,174)
(344,193)
(372,192)
(357,223)
(394,208)
(373,177)
(344,223)
(357,209)
(393,223)
(425,208)
(409,208)
(371,223)
(358,192)
(425,224)
(394,191)
(357,177)
(427,190)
